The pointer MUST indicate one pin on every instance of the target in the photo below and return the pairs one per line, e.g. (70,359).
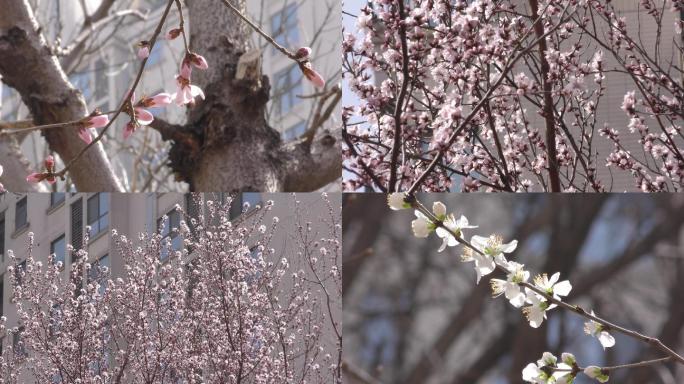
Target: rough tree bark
(227,144)
(28,66)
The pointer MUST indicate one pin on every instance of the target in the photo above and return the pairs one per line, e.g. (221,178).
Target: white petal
(444,244)
(196,91)
(530,372)
(563,288)
(606,339)
(554,278)
(536,317)
(510,247)
(439,209)
(479,242)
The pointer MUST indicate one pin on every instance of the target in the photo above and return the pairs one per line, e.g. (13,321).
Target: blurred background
(413,315)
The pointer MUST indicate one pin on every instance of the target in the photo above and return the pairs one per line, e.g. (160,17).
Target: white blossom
(596,373)
(397,201)
(511,286)
(598,331)
(452,225)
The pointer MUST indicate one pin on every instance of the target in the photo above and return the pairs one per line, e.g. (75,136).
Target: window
(294,131)
(19,272)
(101,80)
(287,86)
(56,319)
(81,81)
(77,224)
(246,202)
(17,343)
(2,236)
(20,216)
(99,271)
(169,231)
(58,248)
(98,213)
(57,198)
(284,27)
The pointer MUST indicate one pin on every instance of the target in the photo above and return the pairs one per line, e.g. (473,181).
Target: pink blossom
(628,102)
(160,100)
(97,121)
(186,92)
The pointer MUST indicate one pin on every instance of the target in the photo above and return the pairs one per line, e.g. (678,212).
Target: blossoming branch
(535,299)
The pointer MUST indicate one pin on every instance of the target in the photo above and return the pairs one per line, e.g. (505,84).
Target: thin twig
(573,308)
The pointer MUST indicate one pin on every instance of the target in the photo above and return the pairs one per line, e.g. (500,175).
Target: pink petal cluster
(141,115)
(187,92)
(303,57)
(48,176)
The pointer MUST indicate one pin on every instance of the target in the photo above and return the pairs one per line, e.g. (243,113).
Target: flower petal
(84,134)
(563,288)
(143,116)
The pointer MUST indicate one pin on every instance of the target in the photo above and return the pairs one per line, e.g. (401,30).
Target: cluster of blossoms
(548,370)
(225,305)
(535,299)
(470,96)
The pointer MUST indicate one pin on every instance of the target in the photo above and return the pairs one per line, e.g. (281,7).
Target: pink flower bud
(143,52)
(198,61)
(143,49)
(50,163)
(303,54)
(311,75)
(35,178)
(173,33)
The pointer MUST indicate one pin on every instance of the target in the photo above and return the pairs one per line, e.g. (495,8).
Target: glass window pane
(58,247)
(93,209)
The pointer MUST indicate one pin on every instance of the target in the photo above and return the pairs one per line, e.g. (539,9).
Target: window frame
(170,233)
(52,248)
(17,225)
(101,216)
(287,83)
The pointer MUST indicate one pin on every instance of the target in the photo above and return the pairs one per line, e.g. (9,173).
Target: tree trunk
(28,66)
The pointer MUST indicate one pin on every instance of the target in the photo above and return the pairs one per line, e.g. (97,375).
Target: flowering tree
(514,95)
(231,307)
(417,315)
(226,104)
